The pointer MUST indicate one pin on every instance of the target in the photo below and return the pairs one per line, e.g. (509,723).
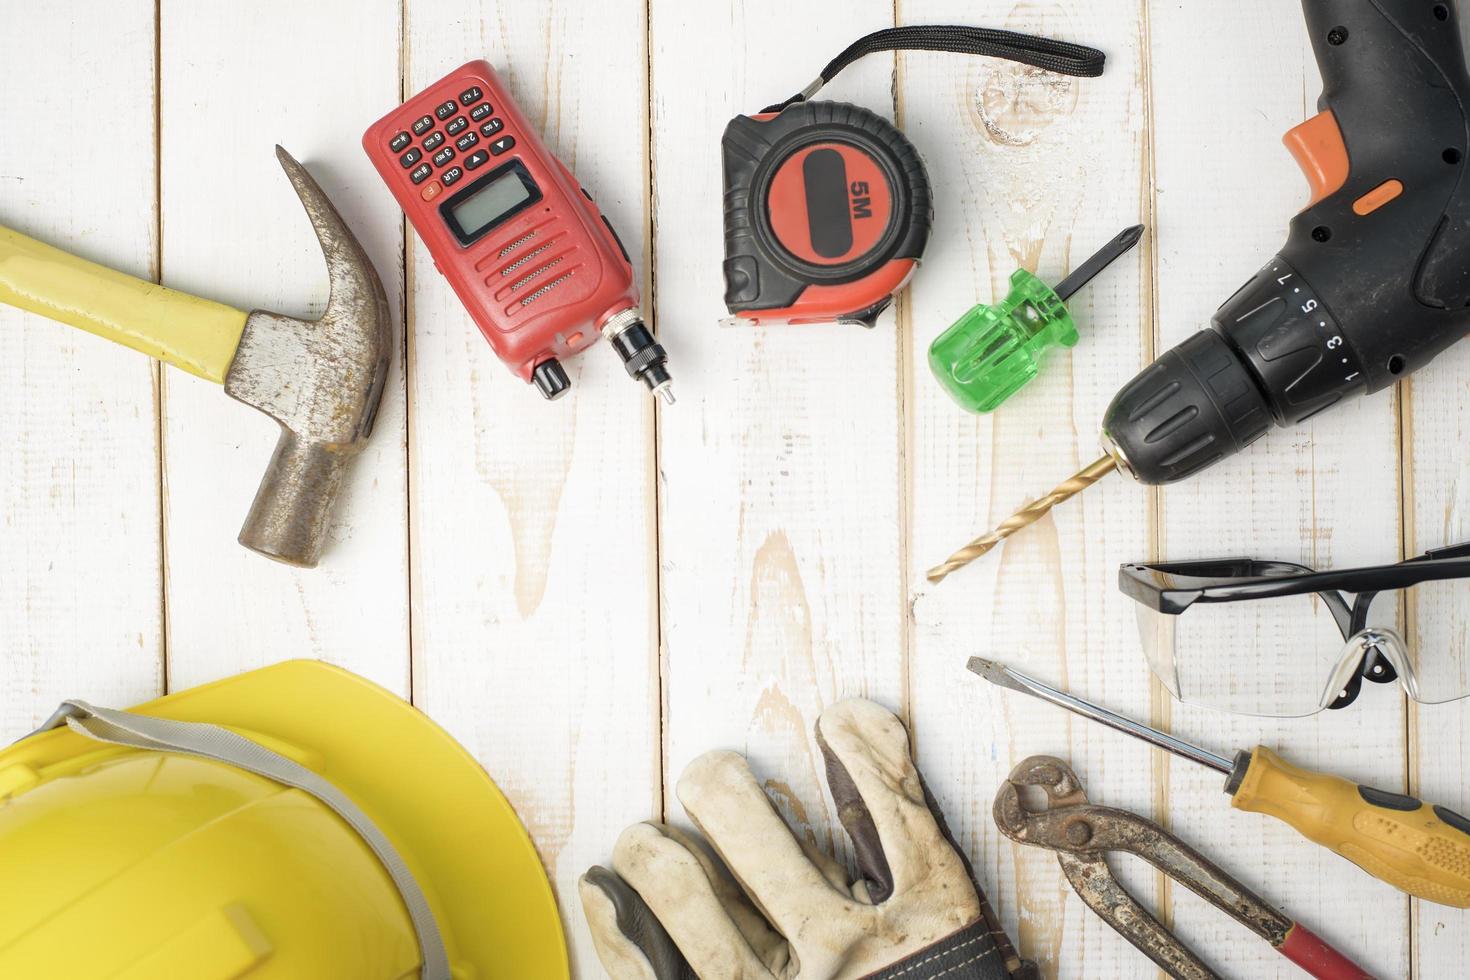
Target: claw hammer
(321,380)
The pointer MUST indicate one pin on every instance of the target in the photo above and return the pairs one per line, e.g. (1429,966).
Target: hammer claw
(322,380)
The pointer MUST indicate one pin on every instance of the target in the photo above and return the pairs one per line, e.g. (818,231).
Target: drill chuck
(1191,408)
(1273,353)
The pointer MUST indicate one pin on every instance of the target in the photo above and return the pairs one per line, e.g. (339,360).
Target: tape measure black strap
(1049,54)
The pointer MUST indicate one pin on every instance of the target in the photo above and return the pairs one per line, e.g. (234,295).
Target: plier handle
(1082,833)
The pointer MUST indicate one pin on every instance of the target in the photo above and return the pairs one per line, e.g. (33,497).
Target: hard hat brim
(436,804)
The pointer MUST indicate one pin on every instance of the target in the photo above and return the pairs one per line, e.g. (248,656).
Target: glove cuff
(970,954)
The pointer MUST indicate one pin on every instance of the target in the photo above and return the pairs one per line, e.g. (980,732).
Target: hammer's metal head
(321,380)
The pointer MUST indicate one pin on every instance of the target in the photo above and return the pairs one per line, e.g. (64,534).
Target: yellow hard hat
(292,822)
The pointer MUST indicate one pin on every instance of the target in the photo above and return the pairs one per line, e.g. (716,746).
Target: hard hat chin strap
(221,745)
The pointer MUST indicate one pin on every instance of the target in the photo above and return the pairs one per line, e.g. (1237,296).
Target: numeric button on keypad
(420,173)
(411,157)
(457,126)
(466,141)
(422,125)
(433,140)
(397,143)
(475,159)
(445,110)
(443,156)
(492,127)
(480,111)
(502,144)
(451,175)
(470,95)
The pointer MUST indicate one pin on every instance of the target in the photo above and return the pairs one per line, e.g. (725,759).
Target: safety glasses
(1300,640)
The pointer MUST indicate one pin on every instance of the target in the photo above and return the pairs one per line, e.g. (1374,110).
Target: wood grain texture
(1437,512)
(1023,179)
(1436,465)
(80,612)
(1325,493)
(533,543)
(780,467)
(588,593)
(236,80)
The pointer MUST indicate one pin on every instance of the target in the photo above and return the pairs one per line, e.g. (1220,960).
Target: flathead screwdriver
(1418,848)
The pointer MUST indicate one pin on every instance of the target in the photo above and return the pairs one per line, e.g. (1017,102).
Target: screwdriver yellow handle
(1420,849)
(198,335)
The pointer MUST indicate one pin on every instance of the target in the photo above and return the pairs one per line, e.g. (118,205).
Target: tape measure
(827,211)
(827,204)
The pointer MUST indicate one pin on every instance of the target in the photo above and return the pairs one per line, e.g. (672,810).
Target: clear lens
(1272,657)
(1438,638)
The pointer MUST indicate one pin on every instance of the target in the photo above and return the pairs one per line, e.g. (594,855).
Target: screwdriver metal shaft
(1003,676)
(1100,260)
(1025,517)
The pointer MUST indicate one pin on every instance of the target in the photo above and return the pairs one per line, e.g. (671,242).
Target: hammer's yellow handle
(1420,849)
(198,335)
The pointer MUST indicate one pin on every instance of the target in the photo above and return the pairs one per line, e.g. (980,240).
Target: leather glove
(669,909)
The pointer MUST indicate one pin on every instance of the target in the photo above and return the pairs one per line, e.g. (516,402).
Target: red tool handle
(1310,952)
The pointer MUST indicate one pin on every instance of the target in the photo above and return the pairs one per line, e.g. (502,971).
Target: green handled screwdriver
(992,351)
(1418,848)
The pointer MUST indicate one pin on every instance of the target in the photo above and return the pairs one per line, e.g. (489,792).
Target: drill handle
(1384,243)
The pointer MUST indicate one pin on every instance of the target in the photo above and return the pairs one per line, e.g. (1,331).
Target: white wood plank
(534,582)
(236,80)
(1325,493)
(1034,170)
(781,523)
(1436,428)
(80,583)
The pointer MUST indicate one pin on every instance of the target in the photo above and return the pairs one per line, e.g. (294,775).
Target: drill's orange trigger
(1319,150)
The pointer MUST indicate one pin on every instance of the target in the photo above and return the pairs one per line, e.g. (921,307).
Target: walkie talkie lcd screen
(489,202)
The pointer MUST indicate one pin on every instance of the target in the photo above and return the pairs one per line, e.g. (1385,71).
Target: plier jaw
(1082,833)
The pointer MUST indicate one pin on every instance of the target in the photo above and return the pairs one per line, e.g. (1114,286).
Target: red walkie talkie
(532,259)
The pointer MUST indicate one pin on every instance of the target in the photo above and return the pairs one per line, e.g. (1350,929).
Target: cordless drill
(1373,282)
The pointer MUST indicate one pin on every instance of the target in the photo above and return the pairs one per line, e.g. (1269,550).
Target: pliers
(1082,833)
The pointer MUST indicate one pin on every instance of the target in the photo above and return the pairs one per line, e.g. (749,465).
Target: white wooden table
(590,593)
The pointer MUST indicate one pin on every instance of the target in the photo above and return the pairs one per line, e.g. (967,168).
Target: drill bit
(1025,517)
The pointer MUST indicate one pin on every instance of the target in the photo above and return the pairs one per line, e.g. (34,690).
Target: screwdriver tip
(990,670)
(1002,676)
(981,666)
(1131,235)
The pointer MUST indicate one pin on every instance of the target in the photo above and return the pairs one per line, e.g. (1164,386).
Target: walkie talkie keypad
(432,134)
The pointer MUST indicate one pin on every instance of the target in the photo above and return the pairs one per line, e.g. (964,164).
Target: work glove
(669,909)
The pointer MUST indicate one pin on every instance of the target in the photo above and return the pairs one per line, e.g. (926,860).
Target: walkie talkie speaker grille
(827,212)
